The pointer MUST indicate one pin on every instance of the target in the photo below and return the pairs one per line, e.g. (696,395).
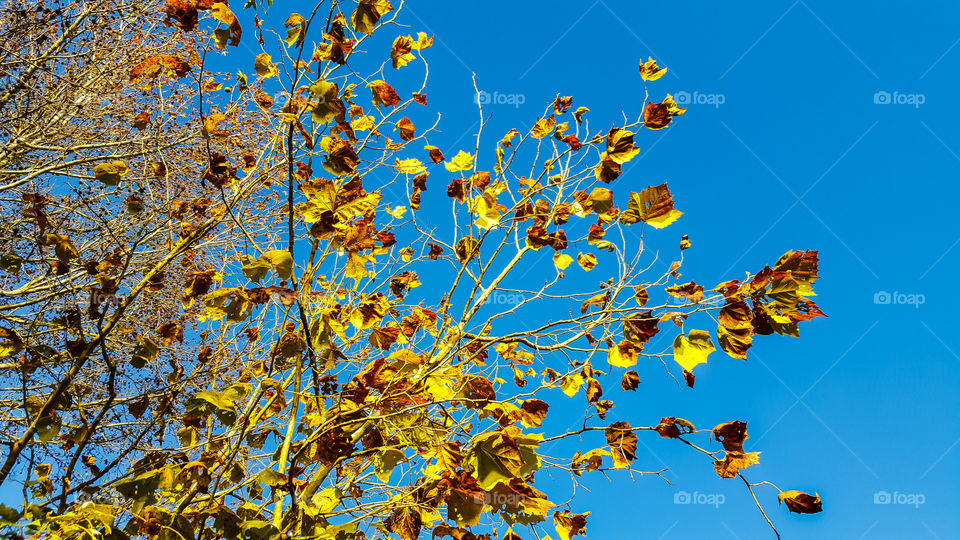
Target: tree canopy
(232,308)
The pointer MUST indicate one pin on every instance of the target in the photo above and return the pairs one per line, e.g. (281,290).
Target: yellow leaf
(653,206)
(562,260)
(10,343)
(410,166)
(463,161)
(264,66)
(294,26)
(623,354)
(485,208)
(362,123)
(587,261)
(650,71)
(692,349)
(397,211)
(110,173)
(543,127)
(571,384)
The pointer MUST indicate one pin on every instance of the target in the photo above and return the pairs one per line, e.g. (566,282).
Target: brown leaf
(731,464)
(691,291)
(436,155)
(594,390)
(630,380)
(659,115)
(406,129)
(384,94)
(672,427)
(533,412)
(384,337)
(405,522)
(569,525)
(731,435)
(623,443)
(800,502)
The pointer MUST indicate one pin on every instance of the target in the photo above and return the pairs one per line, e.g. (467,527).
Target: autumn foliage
(261,304)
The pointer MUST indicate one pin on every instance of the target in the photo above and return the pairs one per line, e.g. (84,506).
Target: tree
(232,307)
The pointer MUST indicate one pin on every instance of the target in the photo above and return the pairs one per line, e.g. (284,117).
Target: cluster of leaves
(217,324)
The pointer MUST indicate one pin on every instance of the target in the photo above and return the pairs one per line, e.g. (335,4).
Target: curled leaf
(799,502)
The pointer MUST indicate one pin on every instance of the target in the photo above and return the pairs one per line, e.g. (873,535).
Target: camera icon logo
(882,98)
(882,497)
(482,98)
(882,298)
(681,497)
(682,98)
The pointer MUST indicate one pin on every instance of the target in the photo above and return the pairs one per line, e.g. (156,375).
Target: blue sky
(799,155)
(810,125)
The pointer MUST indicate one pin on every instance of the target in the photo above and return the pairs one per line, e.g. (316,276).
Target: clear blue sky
(798,156)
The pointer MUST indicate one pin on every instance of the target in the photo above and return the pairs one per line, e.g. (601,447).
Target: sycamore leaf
(264,66)
(653,206)
(735,341)
(326,500)
(650,71)
(732,462)
(400,51)
(672,427)
(630,381)
(731,435)
(368,14)
(487,210)
(222,13)
(587,261)
(532,412)
(507,140)
(562,260)
(10,343)
(620,148)
(145,352)
(623,354)
(623,444)
(295,23)
(659,115)
(463,161)
(409,166)
(569,525)
(384,460)
(800,502)
(692,349)
(406,129)
(383,94)
(436,155)
(329,104)
(578,114)
(279,260)
(110,173)
(571,384)
(501,455)
(543,127)
(466,249)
